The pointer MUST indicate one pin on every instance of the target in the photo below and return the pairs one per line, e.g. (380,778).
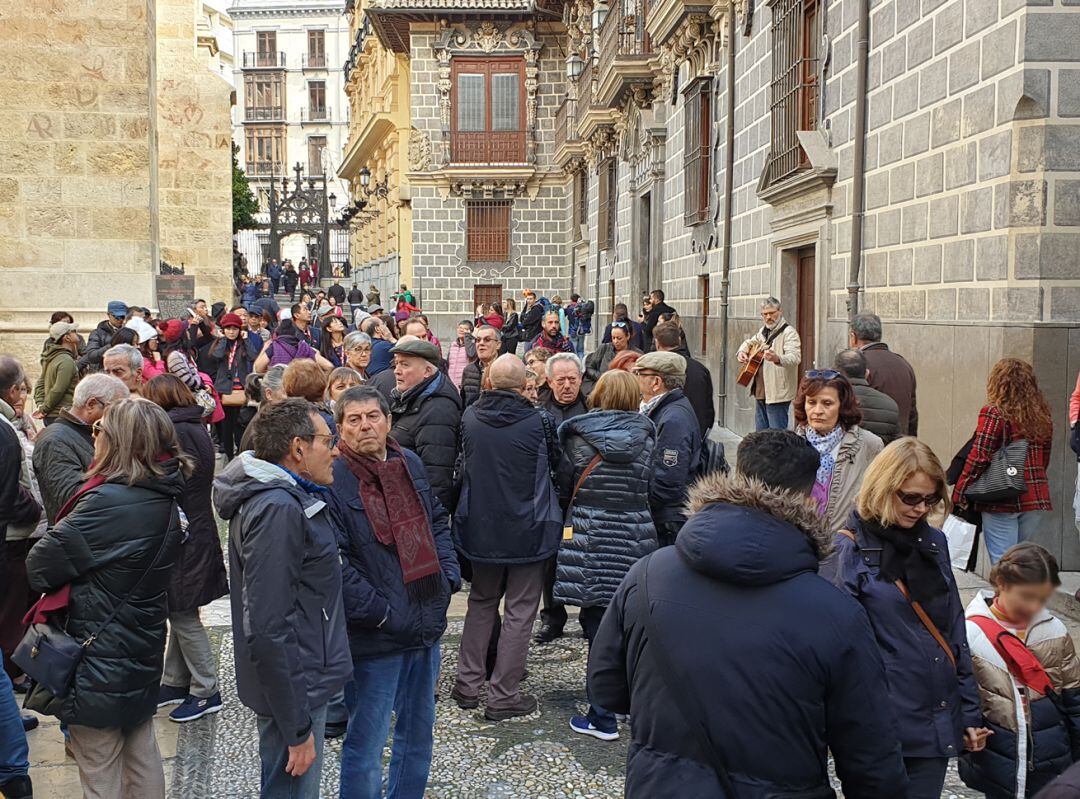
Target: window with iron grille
(487,230)
(581,203)
(488,119)
(697,153)
(794,89)
(608,194)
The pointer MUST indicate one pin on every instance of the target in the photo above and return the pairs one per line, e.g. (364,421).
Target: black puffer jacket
(880,414)
(560,412)
(427,419)
(613,528)
(471,380)
(99,341)
(62,454)
(248,347)
(198,577)
(102,548)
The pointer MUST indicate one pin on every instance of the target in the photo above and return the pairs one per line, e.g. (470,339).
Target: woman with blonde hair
(603,481)
(341,379)
(1015,409)
(896,565)
(111,551)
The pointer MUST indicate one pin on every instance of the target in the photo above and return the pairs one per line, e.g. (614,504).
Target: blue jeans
(274,756)
(14,753)
(579,344)
(402,684)
(772,415)
(1003,530)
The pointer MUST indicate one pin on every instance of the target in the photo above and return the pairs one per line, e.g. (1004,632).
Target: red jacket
(989,438)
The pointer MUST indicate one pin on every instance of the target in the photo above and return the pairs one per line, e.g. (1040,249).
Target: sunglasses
(620,325)
(822,374)
(913,500)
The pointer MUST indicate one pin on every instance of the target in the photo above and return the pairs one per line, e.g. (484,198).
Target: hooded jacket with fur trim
(784,666)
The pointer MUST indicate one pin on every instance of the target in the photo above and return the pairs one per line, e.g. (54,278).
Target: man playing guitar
(771,360)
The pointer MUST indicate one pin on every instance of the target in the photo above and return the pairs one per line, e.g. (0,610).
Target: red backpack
(1023,665)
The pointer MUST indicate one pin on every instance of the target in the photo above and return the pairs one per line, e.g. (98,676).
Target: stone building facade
(971,231)
(115,157)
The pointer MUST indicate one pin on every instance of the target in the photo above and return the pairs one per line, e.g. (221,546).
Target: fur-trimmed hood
(742,531)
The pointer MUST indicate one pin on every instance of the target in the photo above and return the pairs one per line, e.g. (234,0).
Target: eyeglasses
(328,436)
(913,500)
(823,374)
(96,428)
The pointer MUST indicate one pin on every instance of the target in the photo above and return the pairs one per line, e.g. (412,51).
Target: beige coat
(857,448)
(781,379)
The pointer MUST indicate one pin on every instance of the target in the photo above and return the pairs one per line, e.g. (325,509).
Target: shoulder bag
(1003,480)
(568,524)
(691,709)
(50,655)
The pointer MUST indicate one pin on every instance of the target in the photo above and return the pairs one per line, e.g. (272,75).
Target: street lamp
(365,177)
(599,14)
(575,65)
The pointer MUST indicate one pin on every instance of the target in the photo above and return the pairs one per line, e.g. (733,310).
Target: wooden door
(486,294)
(805,316)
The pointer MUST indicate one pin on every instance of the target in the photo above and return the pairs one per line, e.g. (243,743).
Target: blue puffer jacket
(678,450)
(613,528)
(372,586)
(783,665)
(933,702)
(508,511)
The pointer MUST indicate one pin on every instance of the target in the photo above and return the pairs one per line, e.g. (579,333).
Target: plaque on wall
(175,293)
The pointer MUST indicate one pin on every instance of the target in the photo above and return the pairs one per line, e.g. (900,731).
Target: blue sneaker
(195,708)
(167,695)
(583,726)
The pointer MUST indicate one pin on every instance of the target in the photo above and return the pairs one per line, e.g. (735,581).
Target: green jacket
(55,389)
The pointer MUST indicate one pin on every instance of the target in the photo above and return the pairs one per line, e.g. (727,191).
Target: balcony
(262,60)
(313,61)
(264,168)
(314,116)
(487,147)
(567,138)
(265,114)
(666,18)
(625,53)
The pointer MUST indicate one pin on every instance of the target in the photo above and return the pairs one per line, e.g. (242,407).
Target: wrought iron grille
(487,230)
(794,88)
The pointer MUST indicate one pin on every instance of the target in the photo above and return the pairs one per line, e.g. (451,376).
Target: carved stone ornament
(491,188)
(574,165)
(696,41)
(603,143)
(419,151)
(487,38)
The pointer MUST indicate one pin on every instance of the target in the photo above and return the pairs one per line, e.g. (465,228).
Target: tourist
(358,352)
(15,782)
(511,329)
(668,337)
(426,413)
(532,388)
(355,299)
(399,572)
(382,341)
(828,416)
(567,390)
(306,278)
(336,292)
(287,345)
(777,379)
(289,280)
(486,339)
(889,372)
(462,352)
(600,359)
(661,376)
(231,359)
(332,341)
(134,483)
(532,318)
(551,336)
(603,482)
(290,644)
(624,362)
(637,335)
(190,677)
(579,314)
(1015,410)
(880,414)
(657,308)
(890,553)
(302,316)
(1029,678)
(339,381)
(508,529)
(125,363)
(536,362)
(274,273)
(178,354)
(373,296)
(59,373)
(740,666)
(303,379)
(116,314)
(262,390)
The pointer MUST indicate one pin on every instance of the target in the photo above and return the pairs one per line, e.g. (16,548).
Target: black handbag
(49,654)
(1003,480)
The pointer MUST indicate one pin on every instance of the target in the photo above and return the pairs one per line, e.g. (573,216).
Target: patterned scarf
(825,444)
(397,516)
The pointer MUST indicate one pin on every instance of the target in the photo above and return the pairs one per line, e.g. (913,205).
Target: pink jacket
(1074,403)
(152,369)
(457,360)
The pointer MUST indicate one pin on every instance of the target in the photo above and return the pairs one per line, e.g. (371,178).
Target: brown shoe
(525,705)
(463,701)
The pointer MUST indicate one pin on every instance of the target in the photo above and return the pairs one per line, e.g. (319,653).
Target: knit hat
(664,363)
(230,320)
(60,329)
(417,348)
(174,328)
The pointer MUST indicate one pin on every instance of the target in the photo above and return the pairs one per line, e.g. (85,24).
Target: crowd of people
(367,472)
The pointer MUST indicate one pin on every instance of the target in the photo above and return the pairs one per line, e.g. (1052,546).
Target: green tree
(244,205)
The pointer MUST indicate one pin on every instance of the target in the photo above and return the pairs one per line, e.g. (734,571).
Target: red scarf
(388,484)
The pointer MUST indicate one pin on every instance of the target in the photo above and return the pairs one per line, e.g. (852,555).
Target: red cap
(174,328)
(231,320)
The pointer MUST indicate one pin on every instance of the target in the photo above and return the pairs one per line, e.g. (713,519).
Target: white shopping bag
(961,537)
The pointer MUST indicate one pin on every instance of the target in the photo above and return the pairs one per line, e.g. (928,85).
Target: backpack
(712,459)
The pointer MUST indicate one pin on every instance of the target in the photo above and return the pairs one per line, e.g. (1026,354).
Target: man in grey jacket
(289,637)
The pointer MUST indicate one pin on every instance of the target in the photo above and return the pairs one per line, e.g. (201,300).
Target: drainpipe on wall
(729,192)
(858,177)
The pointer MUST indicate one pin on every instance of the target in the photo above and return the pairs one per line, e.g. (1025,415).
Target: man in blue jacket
(399,571)
(274,273)
(741,666)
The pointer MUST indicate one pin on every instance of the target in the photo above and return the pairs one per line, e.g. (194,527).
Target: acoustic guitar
(756,353)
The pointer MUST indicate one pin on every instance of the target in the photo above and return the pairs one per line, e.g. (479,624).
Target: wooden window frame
(263,37)
(487,231)
(697,151)
(310,141)
(487,146)
(794,88)
(580,203)
(317,112)
(316,55)
(276,136)
(608,189)
(258,108)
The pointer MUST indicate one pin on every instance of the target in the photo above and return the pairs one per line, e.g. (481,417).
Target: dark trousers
(231,430)
(274,283)
(590,623)
(926,776)
(15,599)
(554,613)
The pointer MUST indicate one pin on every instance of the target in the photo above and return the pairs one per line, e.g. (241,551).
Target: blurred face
(410,371)
(232,333)
(94,410)
(16,395)
(152,344)
(338,387)
(119,366)
(770,316)
(650,383)
(317,455)
(619,339)
(487,346)
(565,382)
(1023,601)
(462,331)
(823,410)
(359,357)
(532,391)
(364,428)
(200,308)
(551,326)
(116,321)
(914,500)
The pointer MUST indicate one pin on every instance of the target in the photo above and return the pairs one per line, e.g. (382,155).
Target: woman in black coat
(190,677)
(113,547)
(612,446)
(231,359)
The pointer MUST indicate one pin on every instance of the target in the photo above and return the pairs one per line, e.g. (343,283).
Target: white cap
(142,328)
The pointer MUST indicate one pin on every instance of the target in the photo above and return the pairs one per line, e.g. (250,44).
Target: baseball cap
(117,308)
(60,329)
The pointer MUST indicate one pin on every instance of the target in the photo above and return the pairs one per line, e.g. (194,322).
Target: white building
(290,102)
